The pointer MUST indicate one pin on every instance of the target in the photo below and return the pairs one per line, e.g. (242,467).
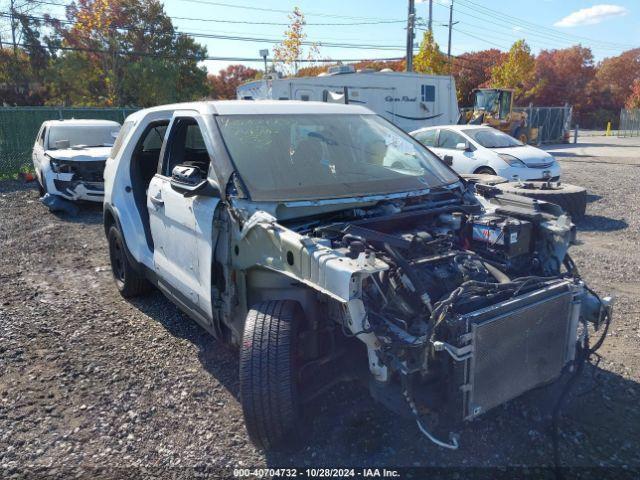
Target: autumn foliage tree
(224,84)
(472,70)
(563,76)
(125,52)
(517,71)
(616,75)
(633,101)
(429,58)
(291,51)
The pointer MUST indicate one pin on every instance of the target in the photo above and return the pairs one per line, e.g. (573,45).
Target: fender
(109,210)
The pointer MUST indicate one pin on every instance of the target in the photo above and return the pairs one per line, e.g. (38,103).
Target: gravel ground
(91,384)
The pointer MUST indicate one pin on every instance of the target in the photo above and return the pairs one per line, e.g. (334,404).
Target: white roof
(79,122)
(253,107)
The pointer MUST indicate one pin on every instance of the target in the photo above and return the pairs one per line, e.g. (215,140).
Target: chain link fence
(629,122)
(553,123)
(19,127)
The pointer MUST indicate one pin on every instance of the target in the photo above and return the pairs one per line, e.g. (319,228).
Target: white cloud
(591,15)
(517,28)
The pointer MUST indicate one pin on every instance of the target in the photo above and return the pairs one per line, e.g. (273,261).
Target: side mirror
(464,146)
(448,159)
(190,181)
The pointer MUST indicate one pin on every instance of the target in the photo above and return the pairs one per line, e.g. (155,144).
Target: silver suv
(329,245)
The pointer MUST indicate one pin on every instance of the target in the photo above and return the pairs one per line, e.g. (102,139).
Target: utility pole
(411,19)
(430,25)
(451,24)
(13,27)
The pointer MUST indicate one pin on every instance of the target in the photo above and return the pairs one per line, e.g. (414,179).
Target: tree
(517,71)
(429,58)
(125,52)
(292,50)
(633,100)
(223,85)
(616,75)
(473,70)
(563,76)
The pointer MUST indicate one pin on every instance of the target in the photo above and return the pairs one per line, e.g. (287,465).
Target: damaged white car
(284,228)
(69,156)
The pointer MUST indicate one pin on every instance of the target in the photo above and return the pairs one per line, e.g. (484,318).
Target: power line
(251,22)
(473,9)
(551,31)
(207,57)
(241,38)
(263,9)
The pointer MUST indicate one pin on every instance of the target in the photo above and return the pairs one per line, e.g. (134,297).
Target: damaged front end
(463,304)
(78,180)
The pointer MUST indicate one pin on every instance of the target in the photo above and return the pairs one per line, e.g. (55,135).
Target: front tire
(42,185)
(130,283)
(269,387)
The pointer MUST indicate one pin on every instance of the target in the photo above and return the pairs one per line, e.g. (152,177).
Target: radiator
(518,345)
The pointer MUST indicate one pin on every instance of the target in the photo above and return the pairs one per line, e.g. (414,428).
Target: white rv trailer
(409,100)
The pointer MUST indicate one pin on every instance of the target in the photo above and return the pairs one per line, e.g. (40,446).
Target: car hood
(89,154)
(528,154)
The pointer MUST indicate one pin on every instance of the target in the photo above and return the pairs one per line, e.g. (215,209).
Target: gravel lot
(92,383)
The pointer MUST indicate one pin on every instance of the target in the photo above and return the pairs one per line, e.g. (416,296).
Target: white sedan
(483,149)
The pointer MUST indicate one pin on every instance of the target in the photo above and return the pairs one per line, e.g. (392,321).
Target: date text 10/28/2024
(315,473)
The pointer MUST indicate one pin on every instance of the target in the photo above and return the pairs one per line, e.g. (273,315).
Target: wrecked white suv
(329,245)
(69,156)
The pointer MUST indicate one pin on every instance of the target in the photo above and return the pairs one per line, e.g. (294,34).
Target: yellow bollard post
(608,134)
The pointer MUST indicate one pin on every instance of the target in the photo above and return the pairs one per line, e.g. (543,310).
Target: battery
(510,236)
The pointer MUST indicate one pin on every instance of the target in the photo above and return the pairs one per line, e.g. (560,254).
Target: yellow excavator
(494,107)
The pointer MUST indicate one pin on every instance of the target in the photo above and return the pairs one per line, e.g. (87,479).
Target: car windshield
(490,138)
(68,136)
(321,156)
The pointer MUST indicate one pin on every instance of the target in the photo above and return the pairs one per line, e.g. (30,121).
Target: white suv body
(69,157)
(289,230)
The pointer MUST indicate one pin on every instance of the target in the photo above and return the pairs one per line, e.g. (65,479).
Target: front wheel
(130,282)
(269,387)
(42,185)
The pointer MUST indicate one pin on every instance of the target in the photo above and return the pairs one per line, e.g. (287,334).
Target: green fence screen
(19,127)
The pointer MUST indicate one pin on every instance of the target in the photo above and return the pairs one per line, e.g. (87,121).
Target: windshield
(490,138)
(303,157)
(487,100)
(67,136)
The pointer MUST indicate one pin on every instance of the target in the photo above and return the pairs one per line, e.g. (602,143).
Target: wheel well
(109,220)
(485,169)
(264,285)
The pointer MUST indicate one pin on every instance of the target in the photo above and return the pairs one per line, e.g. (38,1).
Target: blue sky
(608,28)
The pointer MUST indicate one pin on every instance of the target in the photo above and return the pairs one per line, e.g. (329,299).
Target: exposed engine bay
(477,306)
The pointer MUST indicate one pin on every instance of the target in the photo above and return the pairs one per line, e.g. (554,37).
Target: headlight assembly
(512,161)
(59,166)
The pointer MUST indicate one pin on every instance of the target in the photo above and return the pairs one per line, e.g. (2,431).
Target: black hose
(406,268)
